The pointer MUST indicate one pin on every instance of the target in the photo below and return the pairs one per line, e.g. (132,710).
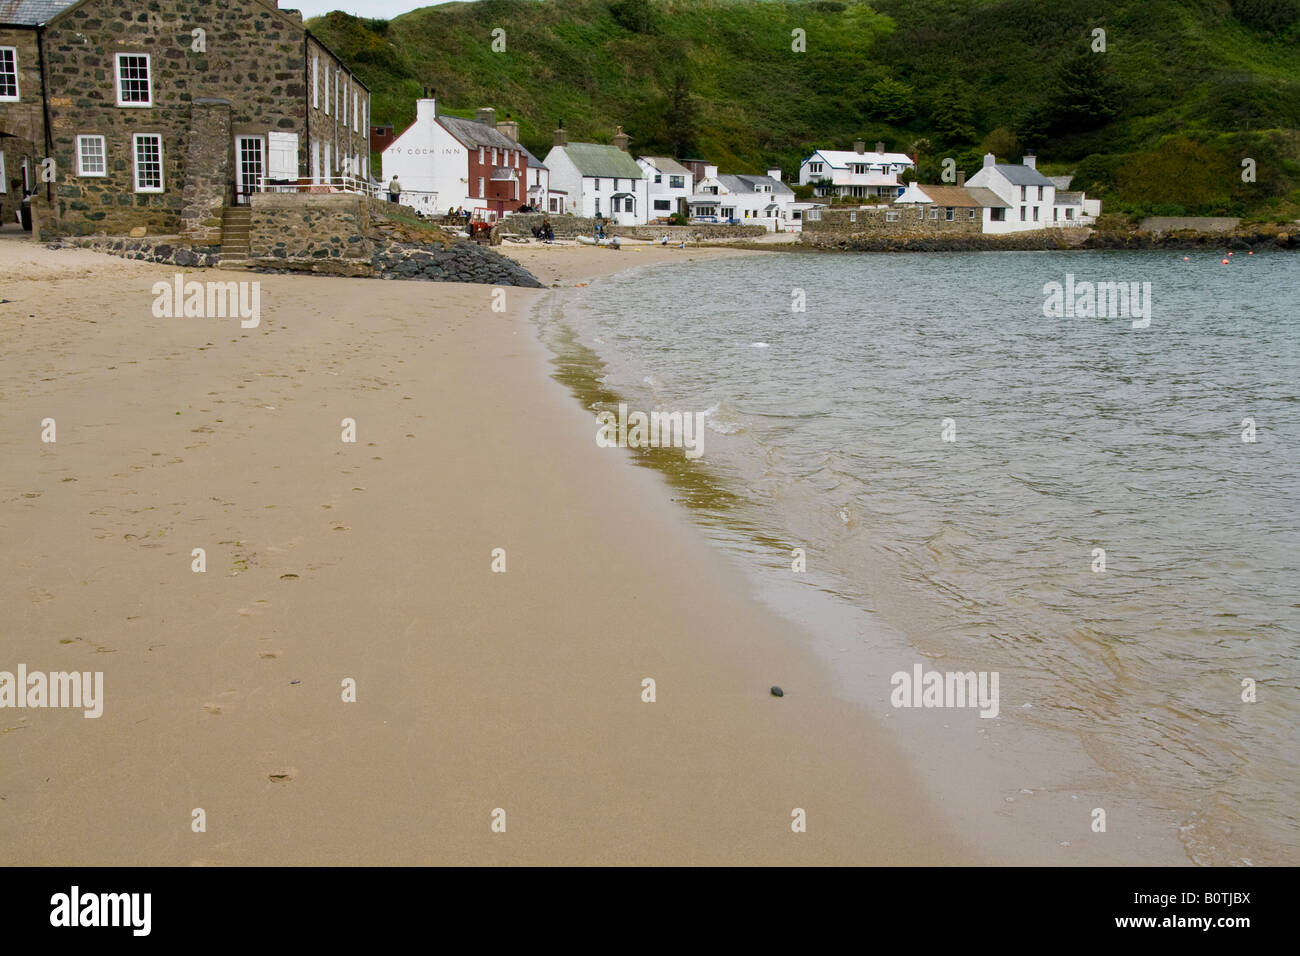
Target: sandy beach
(373,561)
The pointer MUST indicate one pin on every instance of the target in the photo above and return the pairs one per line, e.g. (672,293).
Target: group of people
(459,212)
(544,232)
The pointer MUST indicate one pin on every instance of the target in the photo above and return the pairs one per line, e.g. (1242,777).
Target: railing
(327,184)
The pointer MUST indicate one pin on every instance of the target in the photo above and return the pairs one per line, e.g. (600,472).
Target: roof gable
(595,159)
(476,134)
(1021,175)
(31,13)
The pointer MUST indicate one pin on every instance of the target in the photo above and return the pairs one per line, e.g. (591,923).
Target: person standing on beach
(394,191)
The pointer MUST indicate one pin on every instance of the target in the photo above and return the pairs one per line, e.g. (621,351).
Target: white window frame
(481,193)
(135,163)
(356,111)
(315,81)
(4,178)
(103,155)
(117,79)
(327,90)
(18,92)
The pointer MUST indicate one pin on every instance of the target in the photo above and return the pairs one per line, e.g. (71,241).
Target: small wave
(722,419)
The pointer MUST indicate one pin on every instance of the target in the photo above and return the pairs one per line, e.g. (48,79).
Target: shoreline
(983,774)
(373,562)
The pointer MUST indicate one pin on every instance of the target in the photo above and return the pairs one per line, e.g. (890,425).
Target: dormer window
(134,85)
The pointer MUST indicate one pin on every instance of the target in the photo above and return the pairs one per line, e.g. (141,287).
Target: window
(891,215)
(480,155)
(494,157)
(1024,193)
(133,85)
(1022,213)
(8,73)
(4,180)
(1056,214)
(356,112)
(970,213)
(853,217)
(934,212)
(1069,213)
(148,163)
(949,214)
(1040,193)
(481,193)
(997,215)
(327,90)
(814,167)
(676,182)
(315,81)
(596,188)
(90,156)
(659,177)
(1036,208)
(663,205)
(615,185)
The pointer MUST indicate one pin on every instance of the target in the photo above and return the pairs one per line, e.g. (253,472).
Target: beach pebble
(777,692)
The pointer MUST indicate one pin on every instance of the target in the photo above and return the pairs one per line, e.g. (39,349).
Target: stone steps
(236,235)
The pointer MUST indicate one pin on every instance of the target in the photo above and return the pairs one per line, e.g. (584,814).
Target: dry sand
(373,561)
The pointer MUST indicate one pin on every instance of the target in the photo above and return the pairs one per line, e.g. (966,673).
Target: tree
(1084,96)
(891,101)
(951,117)
(681,121)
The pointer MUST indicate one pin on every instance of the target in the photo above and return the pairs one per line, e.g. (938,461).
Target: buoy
(1185,258)
(1230,253)
(1225,262)
(1251,253)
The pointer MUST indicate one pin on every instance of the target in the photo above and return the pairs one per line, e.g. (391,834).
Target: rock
(139,232)
(777,691)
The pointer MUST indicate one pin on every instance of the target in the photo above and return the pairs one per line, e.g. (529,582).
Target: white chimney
(775,174)
(426,110)
(710,172)
(1031,160)
(990,160)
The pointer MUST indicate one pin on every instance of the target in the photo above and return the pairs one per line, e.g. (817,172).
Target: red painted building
(497,175)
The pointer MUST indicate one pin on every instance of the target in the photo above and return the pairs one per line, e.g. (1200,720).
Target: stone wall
(312,232)
(874,221)
(569,227)
(1037,239)
(208,160)
(170,250)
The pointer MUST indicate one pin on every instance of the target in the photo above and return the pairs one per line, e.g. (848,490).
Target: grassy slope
(1195,88)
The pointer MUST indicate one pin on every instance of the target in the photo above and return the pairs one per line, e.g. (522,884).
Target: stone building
(164,115)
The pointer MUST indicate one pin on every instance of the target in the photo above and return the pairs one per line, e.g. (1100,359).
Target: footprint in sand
(288,577)
(283,776)
(268,655)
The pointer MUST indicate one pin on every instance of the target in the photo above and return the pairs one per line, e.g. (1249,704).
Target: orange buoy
(1225,262)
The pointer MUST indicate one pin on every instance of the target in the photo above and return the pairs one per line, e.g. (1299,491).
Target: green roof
(593,159)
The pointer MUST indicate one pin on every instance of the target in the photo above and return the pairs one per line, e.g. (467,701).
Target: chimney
(775,174)
(710,172)
(561,137)
(961,177)
(621,139)
(487,116)
(880,147)
(859,146)
(1031,160)
(989,160)
(509,129)
(426,109)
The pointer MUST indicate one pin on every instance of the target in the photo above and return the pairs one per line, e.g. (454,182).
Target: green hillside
(1159,122)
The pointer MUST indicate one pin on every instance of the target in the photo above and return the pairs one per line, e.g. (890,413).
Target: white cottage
(669,185)
(746,200)
(592,179)
(857,173)
(1029,195)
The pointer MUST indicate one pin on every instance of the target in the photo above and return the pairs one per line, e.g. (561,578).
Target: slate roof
(1019,175)
(744,185)
(1069,198)
(476,134)
(1061,182)
(533,161)
(963,197)
(843,157)
(666,165)
(30,13)
(595,159)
